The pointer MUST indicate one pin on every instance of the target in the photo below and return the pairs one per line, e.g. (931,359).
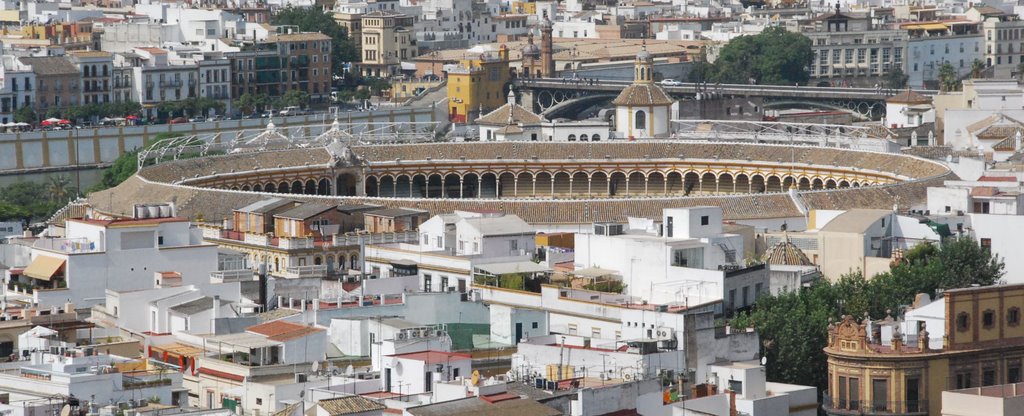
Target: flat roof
(245,340)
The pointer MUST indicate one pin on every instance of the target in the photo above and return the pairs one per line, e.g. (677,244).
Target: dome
(643,55)
(785,253)
(531,50)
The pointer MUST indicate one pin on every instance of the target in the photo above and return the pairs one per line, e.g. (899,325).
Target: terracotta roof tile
(641,95)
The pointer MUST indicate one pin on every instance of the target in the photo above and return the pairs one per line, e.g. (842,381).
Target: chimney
(732,403)
(216,313)
(263,301)
(69,307)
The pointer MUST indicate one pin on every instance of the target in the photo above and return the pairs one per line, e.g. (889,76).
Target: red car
(179,120)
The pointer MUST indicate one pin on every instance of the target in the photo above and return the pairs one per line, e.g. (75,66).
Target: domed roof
(645,94)
(785,253)
(531,50)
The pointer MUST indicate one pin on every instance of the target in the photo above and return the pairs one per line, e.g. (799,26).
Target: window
(534,326)
(986,244)
(572,329)
(704,220)
(988,377)
(688,257)
(1013,374)
(963,321)
(988,318)
(757,291)
(736,386)
(732,297)
(426,239)
(595,333)
(963,380)
(259,401)
(426,282)
(513,245)
(880,395)
(440,241)
(1013,316)
(746,291)
(641,120)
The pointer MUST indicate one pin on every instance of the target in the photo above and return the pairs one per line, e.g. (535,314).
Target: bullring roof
(160,184)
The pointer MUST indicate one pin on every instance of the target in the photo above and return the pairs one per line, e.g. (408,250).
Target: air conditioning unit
(401,336)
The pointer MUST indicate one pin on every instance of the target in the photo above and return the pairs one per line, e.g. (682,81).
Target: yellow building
(524,7)
(478,85)
(897,367)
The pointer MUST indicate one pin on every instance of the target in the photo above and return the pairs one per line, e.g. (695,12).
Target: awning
(44,267)
(595,272)
(513,267)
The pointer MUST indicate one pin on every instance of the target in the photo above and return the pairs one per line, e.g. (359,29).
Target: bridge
(557,96)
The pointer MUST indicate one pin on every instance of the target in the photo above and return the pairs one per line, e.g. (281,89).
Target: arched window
(583,138)
(572,137)
(595,137)
(641,120)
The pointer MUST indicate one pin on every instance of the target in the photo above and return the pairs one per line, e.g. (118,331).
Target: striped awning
(44,267)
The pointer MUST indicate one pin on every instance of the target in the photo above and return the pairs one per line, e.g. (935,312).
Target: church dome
(643,55)
(785,253)
(531,51)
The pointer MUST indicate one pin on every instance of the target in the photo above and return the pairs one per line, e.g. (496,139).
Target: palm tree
(58,186)
(976,68)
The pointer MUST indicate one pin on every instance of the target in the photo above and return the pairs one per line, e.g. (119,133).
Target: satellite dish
(316,366)
(349,370)
(66,410)
(764,360)
(474,380)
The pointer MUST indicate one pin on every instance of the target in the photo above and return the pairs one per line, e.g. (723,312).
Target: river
(82,179)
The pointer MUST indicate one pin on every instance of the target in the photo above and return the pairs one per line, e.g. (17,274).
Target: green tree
(948,79)
(793,325)
(251,103)
(775,56)
(25,114)
(977,67)
(316,20)
(31,198)
(9,211)
(896,79)
(58,187)
(298,98)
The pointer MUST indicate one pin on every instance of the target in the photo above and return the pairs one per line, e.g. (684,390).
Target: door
(387,379)
(462,286)
(519,333)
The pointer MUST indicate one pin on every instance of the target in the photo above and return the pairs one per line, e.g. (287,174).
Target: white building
(17,87)
(120,255)
(908,109)
(513,122)
(682,259)
(754,395)
(215,81)
(506,235)
(89,378)
(932,44)
(990,211)
(417,372)
(159,78)
(643,109)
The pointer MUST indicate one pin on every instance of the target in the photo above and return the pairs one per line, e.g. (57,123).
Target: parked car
(196,119)
(179,120)
(670,82)
(291,111)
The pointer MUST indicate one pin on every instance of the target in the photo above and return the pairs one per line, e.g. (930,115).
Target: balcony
(841,407)
(171,84)
(298,272)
